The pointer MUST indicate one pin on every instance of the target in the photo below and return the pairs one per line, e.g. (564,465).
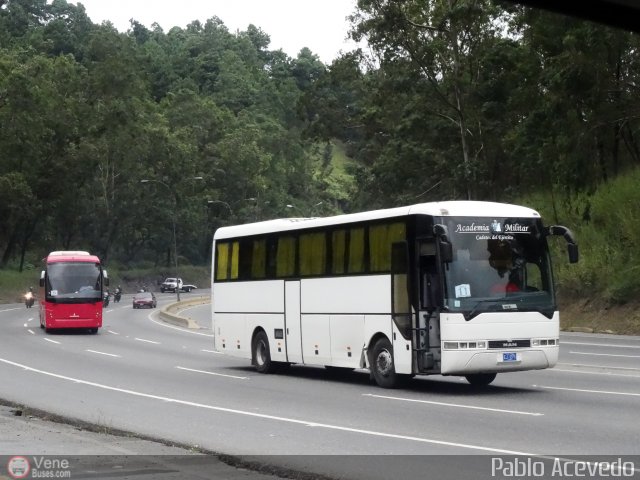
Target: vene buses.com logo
(18,467)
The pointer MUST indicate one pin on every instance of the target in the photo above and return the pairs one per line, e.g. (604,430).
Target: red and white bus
(71,291)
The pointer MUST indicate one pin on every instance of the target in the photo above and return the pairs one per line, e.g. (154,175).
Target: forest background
(449,99)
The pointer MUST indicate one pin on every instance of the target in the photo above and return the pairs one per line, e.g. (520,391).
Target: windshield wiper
(475,310)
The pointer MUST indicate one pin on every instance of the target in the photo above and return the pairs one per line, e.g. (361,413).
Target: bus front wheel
(261,353)
(382,366)
(481,379)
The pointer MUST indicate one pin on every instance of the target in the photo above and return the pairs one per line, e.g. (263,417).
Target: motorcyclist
(29,298)
(117,294)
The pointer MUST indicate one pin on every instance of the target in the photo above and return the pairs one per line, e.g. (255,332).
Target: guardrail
(170,313)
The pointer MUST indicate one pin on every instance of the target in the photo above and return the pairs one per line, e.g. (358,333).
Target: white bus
(452,288)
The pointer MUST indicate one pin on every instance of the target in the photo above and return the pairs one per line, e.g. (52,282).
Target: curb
(579,329)
(170,313)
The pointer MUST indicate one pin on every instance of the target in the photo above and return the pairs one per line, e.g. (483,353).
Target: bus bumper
(464,362)
(73,323)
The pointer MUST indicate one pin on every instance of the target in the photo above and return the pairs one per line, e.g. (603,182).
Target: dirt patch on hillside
(588,315)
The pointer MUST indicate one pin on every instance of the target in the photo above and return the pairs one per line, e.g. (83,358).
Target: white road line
(112,332)
(605,354)
(499,410)
(192,306)
(583,365)
(599,344)
(31,332)
(295,421)
(212,351)
(146,341)
(596,373)
(52,341)
(604,392)
(25,325)
(211,373)
(29,320)
(10,310)
(103,353)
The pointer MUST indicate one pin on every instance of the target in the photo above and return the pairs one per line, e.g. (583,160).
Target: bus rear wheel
(480,379)
(382,366)
(261,355)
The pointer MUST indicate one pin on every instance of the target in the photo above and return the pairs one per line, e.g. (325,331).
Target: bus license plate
(509,357)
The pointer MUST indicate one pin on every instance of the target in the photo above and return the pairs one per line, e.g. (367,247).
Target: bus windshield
(74,282)
(499,264)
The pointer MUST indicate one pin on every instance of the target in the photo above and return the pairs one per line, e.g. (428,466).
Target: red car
(144,299)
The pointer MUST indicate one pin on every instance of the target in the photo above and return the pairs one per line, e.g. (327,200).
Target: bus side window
(338,251)
(222,261)
(286,257)
(356,260)
(258,260)
(312,254)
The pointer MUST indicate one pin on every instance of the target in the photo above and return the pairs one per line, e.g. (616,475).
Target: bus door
(401,309)
(428,331)
(292,321)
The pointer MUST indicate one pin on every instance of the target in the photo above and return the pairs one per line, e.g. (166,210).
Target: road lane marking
(272,417)
(112,332)
(103,353)
(212,351)
(52,341)
(212,373)
(583,365)
(29,320)
(146,341)
(605,354)
(582,390)
(10,310)
(31,332)
(599,344)
(595,373)
(25,325)
(456,405)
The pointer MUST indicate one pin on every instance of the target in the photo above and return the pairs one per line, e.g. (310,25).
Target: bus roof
(71,256)
(460,208)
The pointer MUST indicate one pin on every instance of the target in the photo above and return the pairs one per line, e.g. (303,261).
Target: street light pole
(213,202)
(173,222)
(293,206)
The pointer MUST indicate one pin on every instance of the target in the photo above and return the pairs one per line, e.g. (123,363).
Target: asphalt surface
(103,453)
(164,382)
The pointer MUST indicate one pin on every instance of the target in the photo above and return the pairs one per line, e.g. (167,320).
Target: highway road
(141,375)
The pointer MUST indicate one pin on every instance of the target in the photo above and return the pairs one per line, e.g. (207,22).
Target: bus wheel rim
(384,362)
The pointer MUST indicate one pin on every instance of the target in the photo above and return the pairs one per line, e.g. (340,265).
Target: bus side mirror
(105,278)
(41,282)
(572,247)
(446,251)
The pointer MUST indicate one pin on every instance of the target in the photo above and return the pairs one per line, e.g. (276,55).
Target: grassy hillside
(602,291)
